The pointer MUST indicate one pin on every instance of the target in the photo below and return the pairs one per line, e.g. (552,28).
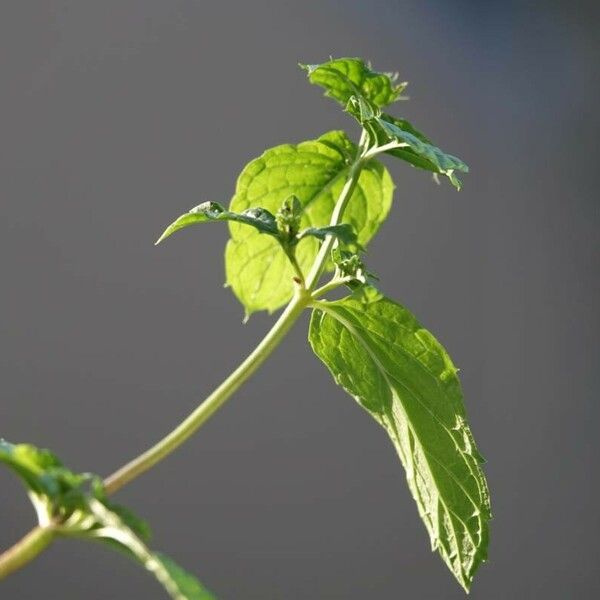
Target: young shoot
(299,219)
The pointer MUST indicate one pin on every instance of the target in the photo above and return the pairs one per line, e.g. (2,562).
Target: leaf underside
(315,171)
(399,373)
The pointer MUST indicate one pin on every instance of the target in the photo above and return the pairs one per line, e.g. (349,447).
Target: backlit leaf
(397,371)
(343,78)
(315,172)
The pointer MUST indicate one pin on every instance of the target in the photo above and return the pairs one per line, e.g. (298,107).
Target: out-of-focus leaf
(66,508)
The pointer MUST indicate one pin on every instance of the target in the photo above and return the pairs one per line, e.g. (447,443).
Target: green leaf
(315,171)
(403,377)
(417,149)
(110,526)
(262,220)
(54,490)
(188,585)
(363,92)
(343,78)
(138,526)
(31,464)
(68,509)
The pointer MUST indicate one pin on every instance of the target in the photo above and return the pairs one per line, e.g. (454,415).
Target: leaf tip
(165,234)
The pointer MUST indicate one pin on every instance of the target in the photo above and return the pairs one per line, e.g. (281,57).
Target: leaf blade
(188,584)
(65,508)
(177,582)
(343,78)
(408,383)
(262,220)
(314,171)
(418,150)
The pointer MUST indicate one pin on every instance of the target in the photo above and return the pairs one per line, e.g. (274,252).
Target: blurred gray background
(117,115)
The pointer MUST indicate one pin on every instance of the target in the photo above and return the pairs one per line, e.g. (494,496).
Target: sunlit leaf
(315,172)
(397,371)
(343,78)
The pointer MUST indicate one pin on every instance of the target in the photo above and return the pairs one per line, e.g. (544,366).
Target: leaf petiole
(291,255)
(376,150)
(331,285)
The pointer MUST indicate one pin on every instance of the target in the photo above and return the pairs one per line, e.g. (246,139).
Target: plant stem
(291,254)
(335,283)
(197,418)
(319,265)
(25,550)
(301,300)
(38,538)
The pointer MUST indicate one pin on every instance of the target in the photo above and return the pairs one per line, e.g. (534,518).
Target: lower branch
(25,550)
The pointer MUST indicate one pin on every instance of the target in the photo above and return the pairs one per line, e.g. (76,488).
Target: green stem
(301,300)
(319,265)
(197,418)
(38,538)
(25,550)
(291,254)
